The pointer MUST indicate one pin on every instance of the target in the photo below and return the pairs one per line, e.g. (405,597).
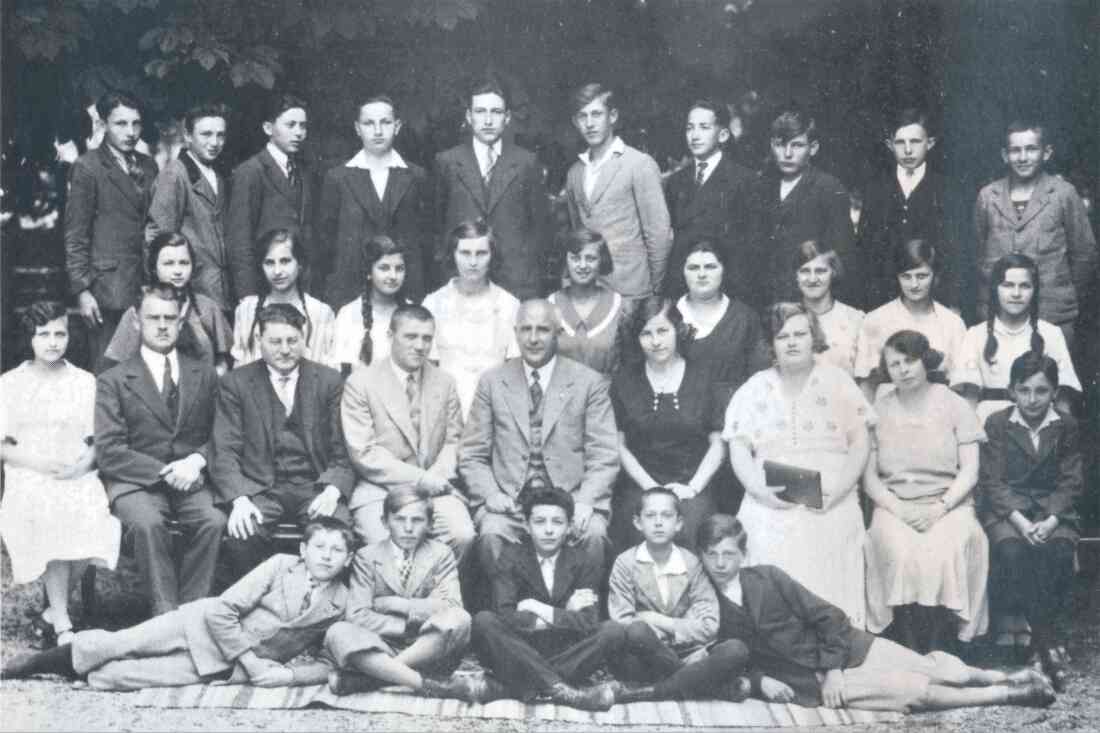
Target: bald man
(538,421)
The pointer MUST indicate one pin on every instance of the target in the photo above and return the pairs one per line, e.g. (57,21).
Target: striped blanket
(694,714)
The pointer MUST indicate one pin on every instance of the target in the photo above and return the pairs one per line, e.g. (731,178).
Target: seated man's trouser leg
(894,677)
(528,662)
(279,504)
(151,654)
(345,638)
(451,520)
(645,659)
(143,512)
(495,531)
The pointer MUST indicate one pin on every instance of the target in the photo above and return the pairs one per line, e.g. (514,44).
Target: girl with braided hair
(981,372)
(362,324)
(283,267)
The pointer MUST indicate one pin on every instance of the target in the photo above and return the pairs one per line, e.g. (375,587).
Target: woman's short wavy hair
(777,315)
(915,345)
(651,308)
(472,229)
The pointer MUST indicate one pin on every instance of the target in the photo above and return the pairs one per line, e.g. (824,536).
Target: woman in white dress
(1014,328)
(806,413)
(282,265)
(816,268)
(362,326)
(54,517)
(474,318)
(917,264)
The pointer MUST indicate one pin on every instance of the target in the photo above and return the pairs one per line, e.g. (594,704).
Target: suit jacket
(382,444)
(433,586)
(135,437)
(718,211)
(515,204)
(628,208)
(245,424)
(791,633)
(350,212)
(519,577)
(1037,483)
(262,612)
(691,598)
(261,199)
(1054,231)
(104,221)
(580,444)
(183,201)
(889,218)
(816,208)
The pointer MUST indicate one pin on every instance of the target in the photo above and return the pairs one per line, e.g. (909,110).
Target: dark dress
(732,352)
(669,435)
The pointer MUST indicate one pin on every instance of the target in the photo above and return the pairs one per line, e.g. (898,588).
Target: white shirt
(379,168)
(733,591)
(120,158)
(399,554)
(592,168)
(712,163)
(691,318)
(402,375)
(285,385)
(206,171)
(154,361)
(785,187)
(280,157)
(674,566)
(909,182)
(545,372)
(481,152)
(546,567)
(1048,419)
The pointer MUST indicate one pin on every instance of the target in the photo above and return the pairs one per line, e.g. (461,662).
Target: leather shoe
(639,693)
(468,688)
(595,698)
(1030,694)
(1054,665)
(344,682)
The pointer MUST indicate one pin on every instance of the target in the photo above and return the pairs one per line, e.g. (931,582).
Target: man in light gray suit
(538,421)
(402,422)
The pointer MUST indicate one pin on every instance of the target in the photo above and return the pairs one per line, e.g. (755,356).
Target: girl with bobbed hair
(54,517)
(927,556)
(590,313)
(809,414)
(1013,328)
(362,326)
(917,264)
(816,269)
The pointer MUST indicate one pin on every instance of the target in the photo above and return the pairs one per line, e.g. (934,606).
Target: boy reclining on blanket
(280,609)
(803,649)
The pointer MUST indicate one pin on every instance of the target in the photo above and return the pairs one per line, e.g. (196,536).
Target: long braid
(366,348)
(261,298)
(305,312)
(1038,344)
(990,350)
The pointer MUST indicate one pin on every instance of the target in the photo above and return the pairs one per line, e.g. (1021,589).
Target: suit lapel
(517,396)
(607,174)
(421,571)
(470,175)
(506,170)
(387,567)
(361,185)
(305,403)
(398,185)
(1038,201)
(121,179)
(190,379)
(278,179)
(141,383)
(1020,434)
(576,187)
(260,392)
(647,584)
(557,394)
(199,185)
(396,403)
(431,409)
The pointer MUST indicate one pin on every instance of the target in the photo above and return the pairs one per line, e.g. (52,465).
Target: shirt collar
(545,371)
(675,565)
(401,374)
(1050,418)
(199,163)
(918,173)
(481,149)
(398,553)
(711,160)
(618,147)
(553,559)
(280,157)
(122,158)
(292,378)
(155,360)
(1002,329)
(392,159)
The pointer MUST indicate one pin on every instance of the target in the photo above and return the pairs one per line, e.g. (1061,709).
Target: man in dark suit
(278,447)
(708,199)
(495,180)
(376,192)
(189,197)
(270,190)
(543,633)
(540,419)
(153,417)
(796,203)
(104,222)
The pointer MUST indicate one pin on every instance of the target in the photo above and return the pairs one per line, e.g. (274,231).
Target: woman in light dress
(474,317)
(816,269)
(927,556)
(282,264)
(807,413)
(54,517)
(362,326)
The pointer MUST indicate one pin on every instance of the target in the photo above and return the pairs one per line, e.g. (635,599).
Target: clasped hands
(544,613)
(1036,533)
(246,517)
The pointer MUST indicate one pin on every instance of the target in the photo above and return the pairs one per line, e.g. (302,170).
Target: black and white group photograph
(548,366)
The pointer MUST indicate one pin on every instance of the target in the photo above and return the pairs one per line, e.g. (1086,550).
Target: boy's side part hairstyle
(201,111)
(488,85)
(329,524)
(402,496)
(793,122)
(547,496)
(909,116)
(1030,363)
(1012,261)
(1021,124)
(718,527)
(114,99)
(656,491)
(589,93)
(277,104)
(283,313)
(721,111)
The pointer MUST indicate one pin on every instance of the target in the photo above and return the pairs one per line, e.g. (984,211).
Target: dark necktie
(307,600)
(292,172)
(700,171)
(412,391)
(169,391)
(406,571)
(536,392)
(135,171)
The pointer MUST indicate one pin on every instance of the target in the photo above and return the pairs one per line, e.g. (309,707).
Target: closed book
(800,485)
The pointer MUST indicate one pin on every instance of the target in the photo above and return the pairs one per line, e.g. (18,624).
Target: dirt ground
(54,705)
